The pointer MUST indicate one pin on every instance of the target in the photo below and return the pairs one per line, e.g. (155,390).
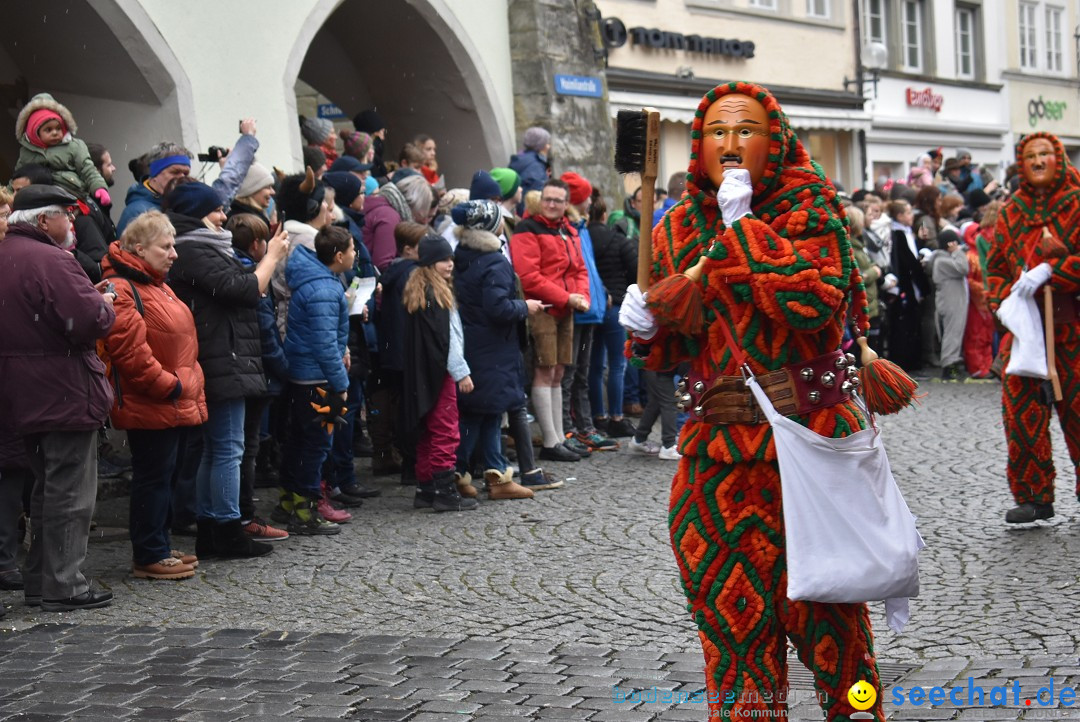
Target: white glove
(890,282)
(635,316)
(1030,281)
(735,194)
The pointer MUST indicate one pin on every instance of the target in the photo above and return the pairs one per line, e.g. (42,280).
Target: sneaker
(576,446)
(306,520)
(621,428)
(358,491)
(284,509)
(601,424)
(559,452)
(597,441)
(669,453)
(540,480)
(341,499)
(167,568)
(649,448)
(330,512)
(259,529)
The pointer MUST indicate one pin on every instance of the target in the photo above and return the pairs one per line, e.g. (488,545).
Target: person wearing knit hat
(533,164)
(369,121)
(193,199)
(45,130)
(484,188)
(348,189)
(358,145)
(509,183)
(433,249)
(580,189)
(255,193)
(316,130)
(371,186)
(480,215)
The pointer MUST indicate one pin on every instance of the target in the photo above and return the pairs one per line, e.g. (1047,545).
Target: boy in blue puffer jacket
(316,348)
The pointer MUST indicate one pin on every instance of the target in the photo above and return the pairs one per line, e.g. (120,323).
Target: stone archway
(106,61)
(417,66)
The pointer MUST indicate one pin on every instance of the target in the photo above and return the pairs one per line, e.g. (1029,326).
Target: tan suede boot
(501,485)
(464,485)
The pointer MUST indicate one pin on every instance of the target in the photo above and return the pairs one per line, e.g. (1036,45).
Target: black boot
(266,470)
(230,542)
(445,494)
(204,539)
(1028,512)
(424,496)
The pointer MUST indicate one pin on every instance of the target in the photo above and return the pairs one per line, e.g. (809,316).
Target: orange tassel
(885,387)
(676,301)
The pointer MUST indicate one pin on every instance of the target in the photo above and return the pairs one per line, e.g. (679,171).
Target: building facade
(667,53)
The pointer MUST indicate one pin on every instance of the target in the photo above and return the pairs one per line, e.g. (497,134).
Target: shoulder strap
(137,298)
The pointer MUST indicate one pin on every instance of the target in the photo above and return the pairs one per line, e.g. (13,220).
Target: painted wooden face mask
(1039,163)
(735,134)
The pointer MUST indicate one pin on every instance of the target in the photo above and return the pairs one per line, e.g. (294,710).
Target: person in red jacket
(547,257)
(158,384)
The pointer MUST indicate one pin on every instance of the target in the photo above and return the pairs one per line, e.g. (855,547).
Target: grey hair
(31,215)
(165,150)
(418,195)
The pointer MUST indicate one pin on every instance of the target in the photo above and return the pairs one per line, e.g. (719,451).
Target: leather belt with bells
(797,388)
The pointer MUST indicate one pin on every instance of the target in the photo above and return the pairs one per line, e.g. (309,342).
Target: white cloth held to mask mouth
(635,316)
(734,194)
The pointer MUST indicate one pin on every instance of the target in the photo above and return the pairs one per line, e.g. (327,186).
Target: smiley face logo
(862,695)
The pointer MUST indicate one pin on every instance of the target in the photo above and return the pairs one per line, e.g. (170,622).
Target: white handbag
(849,535)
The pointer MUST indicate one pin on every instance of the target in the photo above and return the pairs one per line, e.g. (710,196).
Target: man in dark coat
(53,390)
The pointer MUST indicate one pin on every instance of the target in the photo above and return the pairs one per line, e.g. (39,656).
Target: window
(1027,36)
(763,4)
(965,43)
(817,8)
(1053,39)
(911,35)
(874,22)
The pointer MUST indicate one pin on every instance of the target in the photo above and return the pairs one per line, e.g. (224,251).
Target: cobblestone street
(534,609)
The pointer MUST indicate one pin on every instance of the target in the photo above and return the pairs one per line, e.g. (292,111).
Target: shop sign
(583,85)
(925,99)
(329,110)
(1045,110)
(615,35)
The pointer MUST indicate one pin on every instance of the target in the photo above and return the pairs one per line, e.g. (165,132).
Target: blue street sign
(329,110)
(583,85)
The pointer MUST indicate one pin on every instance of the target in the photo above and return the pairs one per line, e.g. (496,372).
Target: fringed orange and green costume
(780,279)
(1017,235)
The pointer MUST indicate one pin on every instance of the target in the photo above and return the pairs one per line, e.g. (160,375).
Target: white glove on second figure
(1030,281)
(635,316)
(735,194)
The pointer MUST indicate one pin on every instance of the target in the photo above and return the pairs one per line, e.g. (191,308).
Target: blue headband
(161,164)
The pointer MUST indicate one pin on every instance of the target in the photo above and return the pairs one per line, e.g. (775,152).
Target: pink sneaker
(327,510)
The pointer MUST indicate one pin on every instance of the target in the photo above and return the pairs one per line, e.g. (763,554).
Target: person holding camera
(168,162)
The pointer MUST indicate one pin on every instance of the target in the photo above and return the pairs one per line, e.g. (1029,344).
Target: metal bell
(814,396)
(850,358)
(699,411)
(686,399)
(807,374)
(847,387)
(854,379)
(681,386)
(841,362)
(699,387)
(828,379)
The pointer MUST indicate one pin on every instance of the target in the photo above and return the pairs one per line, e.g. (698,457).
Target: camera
(213,154)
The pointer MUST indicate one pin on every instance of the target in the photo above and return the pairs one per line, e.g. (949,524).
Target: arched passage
(106,61)
(417,67)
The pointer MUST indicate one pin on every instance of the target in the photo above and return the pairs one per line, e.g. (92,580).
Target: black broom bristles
(631,139)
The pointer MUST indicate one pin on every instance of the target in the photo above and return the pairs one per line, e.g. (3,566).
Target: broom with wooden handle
(1052,249)
(637,150)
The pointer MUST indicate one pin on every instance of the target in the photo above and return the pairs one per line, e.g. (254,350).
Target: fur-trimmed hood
(46,101)
(477,239)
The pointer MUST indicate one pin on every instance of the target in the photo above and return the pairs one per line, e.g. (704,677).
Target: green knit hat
(509,181)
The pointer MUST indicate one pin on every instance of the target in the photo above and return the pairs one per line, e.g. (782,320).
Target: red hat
(39,118)
(580,189)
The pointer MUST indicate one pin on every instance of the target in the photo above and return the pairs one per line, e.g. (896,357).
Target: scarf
(397,201)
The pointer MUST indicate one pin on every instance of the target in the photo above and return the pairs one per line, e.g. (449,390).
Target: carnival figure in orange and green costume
(778,275)
(1037,241)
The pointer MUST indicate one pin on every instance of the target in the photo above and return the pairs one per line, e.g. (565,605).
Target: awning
(680,109)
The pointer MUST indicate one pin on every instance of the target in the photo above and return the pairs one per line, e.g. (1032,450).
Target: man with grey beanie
(532,163)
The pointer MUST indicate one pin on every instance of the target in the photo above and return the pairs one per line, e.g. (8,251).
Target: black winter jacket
(223,296)
(616,259)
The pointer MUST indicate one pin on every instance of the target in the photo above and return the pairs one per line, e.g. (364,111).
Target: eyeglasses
(4,215)
(741,133)
(554,201)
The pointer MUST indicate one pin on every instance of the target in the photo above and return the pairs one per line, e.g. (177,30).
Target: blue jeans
(308,444)
(609,341)
(217,485)
(153,462)
(480,433)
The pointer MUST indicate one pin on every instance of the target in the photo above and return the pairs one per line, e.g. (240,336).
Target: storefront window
(965,42)
(912,35)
